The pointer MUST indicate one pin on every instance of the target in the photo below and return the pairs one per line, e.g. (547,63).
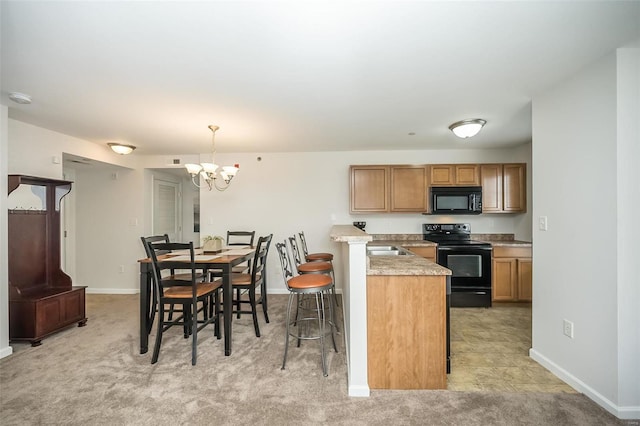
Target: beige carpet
(95,376)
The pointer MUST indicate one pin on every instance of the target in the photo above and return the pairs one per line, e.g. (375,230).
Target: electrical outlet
(121,269)
(567,328)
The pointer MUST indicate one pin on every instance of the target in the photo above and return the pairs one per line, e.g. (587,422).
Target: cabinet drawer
(512,252)
(426,252)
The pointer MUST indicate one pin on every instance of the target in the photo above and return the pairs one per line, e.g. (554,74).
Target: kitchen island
(403,300)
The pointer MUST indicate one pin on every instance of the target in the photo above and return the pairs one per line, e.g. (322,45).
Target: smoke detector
(20,98)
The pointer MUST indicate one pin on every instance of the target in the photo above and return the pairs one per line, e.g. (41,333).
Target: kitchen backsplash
(414,237)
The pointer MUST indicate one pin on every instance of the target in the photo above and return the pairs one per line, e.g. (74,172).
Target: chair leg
(217,313)
(333,322)
(263,298)
(254,311)
(194,332)
(238,303)
(286,338)
(156,348)
(321,325)
(185,318)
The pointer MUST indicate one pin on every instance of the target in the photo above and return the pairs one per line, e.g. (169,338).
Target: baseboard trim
(5,352)
(626,413)
(112,290)
(359,391)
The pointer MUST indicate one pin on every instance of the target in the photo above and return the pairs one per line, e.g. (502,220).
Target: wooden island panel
(406,332)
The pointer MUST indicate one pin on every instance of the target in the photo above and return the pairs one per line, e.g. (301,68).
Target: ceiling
(297,76)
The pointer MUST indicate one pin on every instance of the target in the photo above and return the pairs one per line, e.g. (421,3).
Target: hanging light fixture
(467,128)
(209,171)
(121,149)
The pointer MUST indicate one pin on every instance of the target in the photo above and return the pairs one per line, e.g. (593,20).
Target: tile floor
(490,352)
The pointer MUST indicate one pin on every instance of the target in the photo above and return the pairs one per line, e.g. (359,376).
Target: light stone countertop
(348,233)
(403,265)
(404,243)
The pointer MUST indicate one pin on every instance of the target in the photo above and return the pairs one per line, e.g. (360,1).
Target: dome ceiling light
(467,128)
(121,149)
(20,98)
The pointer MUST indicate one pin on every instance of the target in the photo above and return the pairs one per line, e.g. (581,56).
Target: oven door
(470,274)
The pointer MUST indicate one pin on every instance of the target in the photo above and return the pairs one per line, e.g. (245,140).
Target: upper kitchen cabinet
(383,189)
(454,174)
(503,188)
(408,188)
(369,189)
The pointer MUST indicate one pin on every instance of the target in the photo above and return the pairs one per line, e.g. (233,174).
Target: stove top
(450,234)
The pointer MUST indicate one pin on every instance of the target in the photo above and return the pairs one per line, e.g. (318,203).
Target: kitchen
(384,188)
(276,178)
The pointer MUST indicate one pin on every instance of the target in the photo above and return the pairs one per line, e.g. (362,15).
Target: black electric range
(468,260)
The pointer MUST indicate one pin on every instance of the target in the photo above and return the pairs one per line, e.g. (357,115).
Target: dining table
(222,261)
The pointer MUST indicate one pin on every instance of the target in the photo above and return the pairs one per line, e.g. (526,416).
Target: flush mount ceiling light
(467,128)
(209,171)
(20,98)
(121,149)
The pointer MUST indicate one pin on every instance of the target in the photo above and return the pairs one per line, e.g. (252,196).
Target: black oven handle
(465,248)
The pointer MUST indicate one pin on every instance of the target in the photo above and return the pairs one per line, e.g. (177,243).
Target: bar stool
(315,268)
(318,257)
(313,257)
(308,284)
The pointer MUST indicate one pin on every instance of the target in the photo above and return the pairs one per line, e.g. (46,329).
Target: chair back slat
(240,238)
(285,261)
(160,248)
(294,249)
(303,243)
(260,259)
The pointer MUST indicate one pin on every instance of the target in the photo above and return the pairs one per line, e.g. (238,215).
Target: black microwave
(456,199)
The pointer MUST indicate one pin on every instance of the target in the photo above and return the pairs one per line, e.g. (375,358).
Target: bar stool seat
(319,257)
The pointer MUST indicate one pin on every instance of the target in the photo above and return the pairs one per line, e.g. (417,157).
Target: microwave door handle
(472,202)
(474,199)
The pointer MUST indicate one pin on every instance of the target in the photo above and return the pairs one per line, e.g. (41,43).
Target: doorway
(167,211)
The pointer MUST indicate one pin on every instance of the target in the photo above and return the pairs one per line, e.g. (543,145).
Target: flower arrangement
(212,243)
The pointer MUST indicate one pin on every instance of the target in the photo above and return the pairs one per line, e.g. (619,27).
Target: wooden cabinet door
(408,188)
(515,194)
(491,181)
(441,175)
(467,175)
(426,252)
(369,189)
(504,280)
(525,278)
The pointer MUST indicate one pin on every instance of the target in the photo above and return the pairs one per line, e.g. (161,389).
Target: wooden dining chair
(187,293)
(246,283)
(240,238)
(172,274)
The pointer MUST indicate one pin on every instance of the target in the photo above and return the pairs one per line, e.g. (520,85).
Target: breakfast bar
(395,312)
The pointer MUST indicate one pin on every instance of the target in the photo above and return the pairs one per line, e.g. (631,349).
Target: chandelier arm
(195,181)
(220,188)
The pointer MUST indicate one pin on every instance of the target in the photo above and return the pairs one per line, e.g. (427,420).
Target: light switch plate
(542,223)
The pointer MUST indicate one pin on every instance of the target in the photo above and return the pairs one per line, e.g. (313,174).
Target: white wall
(577,261)
(109,215)
(628,177)
(5,349)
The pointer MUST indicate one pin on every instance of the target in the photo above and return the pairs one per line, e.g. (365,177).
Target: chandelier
(209,171)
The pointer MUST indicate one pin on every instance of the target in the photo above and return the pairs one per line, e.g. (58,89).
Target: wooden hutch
(42,299)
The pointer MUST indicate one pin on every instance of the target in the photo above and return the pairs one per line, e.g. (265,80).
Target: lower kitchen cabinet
(426,252)
(406,332)
(512,274)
